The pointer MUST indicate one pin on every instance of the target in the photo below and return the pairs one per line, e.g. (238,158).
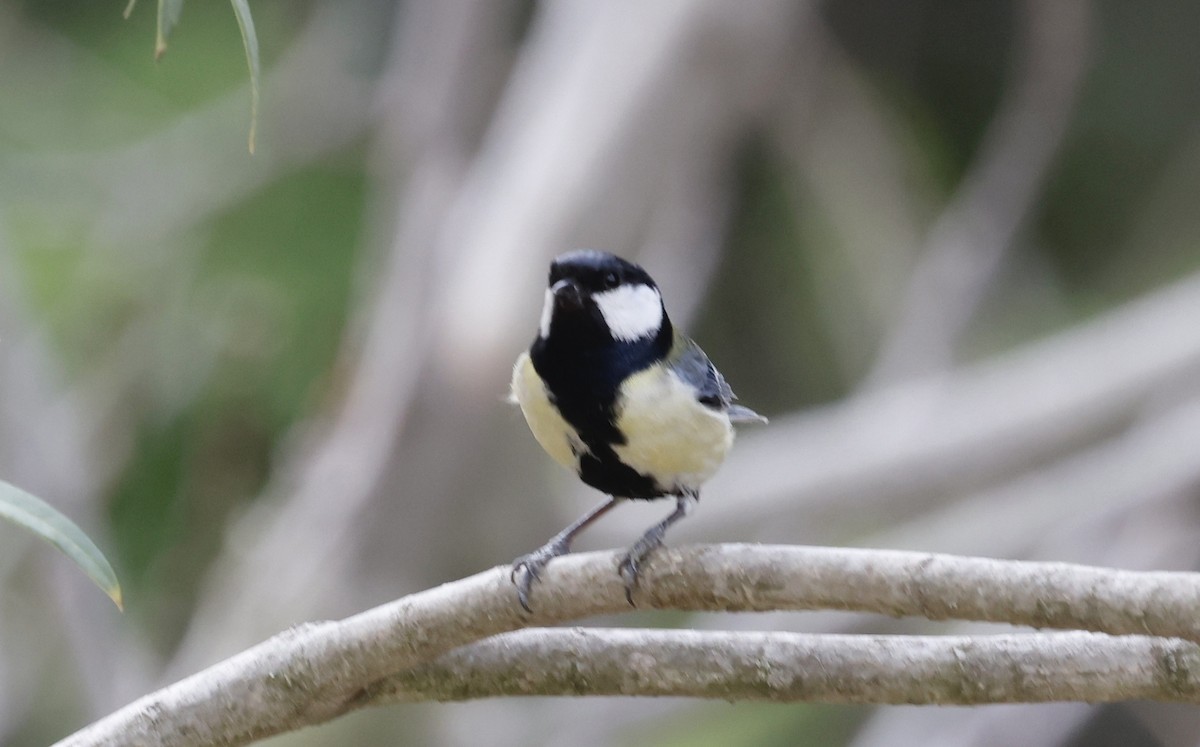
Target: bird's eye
(610,280)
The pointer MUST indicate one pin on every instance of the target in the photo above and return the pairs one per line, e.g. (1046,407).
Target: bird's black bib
(583,375)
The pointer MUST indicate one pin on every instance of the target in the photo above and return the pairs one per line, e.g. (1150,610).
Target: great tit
(614,393)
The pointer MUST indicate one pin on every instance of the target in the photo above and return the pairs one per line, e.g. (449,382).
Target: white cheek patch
(547,313)
(631,311)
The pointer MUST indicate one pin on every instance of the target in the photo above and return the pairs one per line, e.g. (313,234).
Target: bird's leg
(651,541)
(528,568)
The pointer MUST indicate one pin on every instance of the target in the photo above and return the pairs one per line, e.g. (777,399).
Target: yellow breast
(557,437)
(669,435)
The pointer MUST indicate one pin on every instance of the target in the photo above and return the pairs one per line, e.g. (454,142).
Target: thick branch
(314,673)
(798,667)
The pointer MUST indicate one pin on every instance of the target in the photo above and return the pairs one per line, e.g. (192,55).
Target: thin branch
(799,667)
(314,673)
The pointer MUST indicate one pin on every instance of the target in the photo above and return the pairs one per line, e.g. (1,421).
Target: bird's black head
(595,297)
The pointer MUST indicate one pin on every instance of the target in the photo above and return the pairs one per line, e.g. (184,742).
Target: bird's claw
(527,569)
(628,569)
(631,565)
(529,574)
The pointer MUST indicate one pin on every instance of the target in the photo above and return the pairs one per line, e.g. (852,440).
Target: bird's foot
(631,564)
(528,568)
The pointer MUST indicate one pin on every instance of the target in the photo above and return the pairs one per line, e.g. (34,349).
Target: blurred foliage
(942,66)
(764,288)
(1134,122)
(248,325)
(120,92)
(270,296)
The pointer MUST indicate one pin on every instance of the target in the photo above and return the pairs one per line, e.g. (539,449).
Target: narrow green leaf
(241,9)
(168,15)
(39,517)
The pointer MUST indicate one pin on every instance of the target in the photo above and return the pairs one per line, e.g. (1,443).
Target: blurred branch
(317,672)
(969,240)
(798,667)
(555,152)
(1152,460)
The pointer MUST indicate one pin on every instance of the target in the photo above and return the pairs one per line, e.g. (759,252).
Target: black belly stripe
(583,383)
(608,474)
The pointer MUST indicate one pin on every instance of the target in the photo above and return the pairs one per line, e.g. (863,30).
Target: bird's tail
(739,414)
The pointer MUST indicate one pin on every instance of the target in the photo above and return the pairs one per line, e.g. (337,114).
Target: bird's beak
(567,295)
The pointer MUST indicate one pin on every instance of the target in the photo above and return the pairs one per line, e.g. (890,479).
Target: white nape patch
(547,313)
(631,311)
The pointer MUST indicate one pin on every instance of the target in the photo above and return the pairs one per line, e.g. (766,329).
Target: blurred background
(952,249)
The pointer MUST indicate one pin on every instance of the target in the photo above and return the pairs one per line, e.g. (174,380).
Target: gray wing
(693,366)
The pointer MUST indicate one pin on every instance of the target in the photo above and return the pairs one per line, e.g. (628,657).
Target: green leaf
(241,9)
(168,16)
(39,517)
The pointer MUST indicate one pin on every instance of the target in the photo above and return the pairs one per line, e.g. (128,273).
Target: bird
(614,393)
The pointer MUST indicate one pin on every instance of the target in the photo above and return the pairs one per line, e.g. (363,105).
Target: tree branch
(316,672)
(799,667)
